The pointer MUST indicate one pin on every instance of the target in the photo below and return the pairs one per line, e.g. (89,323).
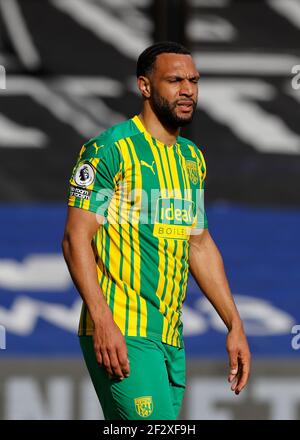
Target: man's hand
(207,267)
(110,348)
(239,359)
(109,343)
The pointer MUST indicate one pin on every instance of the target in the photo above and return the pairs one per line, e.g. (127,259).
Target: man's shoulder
(106,140)
(187,143)
(115,133)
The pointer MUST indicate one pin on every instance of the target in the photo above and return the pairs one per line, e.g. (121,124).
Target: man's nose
(186,88)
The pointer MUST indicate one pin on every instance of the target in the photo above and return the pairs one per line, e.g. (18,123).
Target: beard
(166,112)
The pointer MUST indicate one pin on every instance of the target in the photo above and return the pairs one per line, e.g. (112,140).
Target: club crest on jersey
(192,170)
(144,406)
(84,174)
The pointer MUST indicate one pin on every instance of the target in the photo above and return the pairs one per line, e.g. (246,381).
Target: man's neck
(153,125)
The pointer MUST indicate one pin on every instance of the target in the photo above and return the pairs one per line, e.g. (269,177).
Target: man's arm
(109,343)
(206,266)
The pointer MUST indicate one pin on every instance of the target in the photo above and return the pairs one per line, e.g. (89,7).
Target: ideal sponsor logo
(175,211)
(80,192)
(174,218)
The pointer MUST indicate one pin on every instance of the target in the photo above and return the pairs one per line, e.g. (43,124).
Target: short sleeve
(95,176)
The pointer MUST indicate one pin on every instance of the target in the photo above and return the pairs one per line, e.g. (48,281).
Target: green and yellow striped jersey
(151,196)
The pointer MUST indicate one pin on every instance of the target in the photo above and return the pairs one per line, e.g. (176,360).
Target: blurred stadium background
(69,74)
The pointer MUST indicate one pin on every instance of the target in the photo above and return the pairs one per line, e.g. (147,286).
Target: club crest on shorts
(192,170)
(144,406)
(84,174)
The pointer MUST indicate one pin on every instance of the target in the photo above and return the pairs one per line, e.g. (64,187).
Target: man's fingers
(98,356)
(114,363)
(239,360)
(124,361)
(234,384)
(233,363)
(106,362)
(231,377)
(111,353)
(243,379)
(234,370)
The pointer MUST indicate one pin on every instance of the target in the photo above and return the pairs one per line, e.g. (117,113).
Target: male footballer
(136,225)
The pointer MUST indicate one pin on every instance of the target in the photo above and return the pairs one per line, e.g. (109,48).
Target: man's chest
(159,188)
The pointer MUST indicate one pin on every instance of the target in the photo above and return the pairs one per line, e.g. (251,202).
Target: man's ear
(144,86)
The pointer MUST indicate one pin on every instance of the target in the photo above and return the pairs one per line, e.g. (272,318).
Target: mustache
(186,101)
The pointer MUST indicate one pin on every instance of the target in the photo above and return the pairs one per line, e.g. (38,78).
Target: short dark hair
(146,60)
